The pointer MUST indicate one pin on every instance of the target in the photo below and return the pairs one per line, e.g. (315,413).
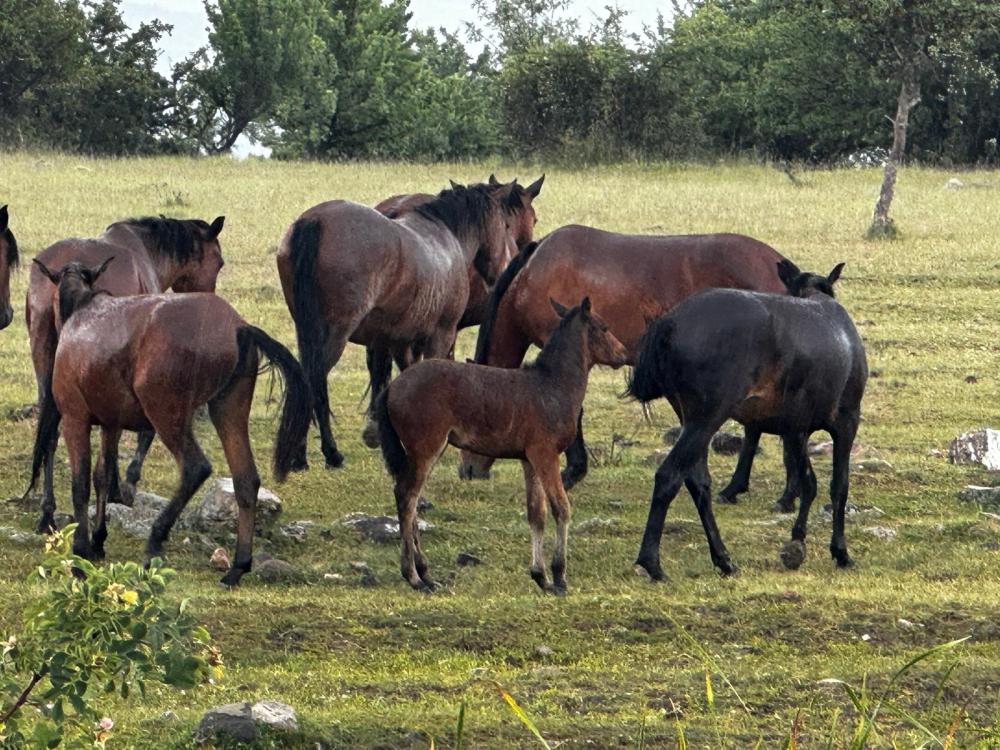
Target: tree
(264,57)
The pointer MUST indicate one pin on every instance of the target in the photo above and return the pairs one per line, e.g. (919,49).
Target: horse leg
(230,413)
(379,372)
(793,554)
(43,337)
(76,432)
(175,433)
(46,520)
(335,342)
(690,446)
(740,481)
(576,457)
(412,564)
(843,441)
(548,472)
(105,473)
(535,498)
(143,442)
(793,477)
(699,485)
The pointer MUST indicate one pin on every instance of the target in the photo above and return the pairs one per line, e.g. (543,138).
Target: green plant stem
(22,698)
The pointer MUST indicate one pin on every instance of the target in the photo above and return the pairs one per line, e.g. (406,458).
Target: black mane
(180,239)
(460,209)
(499,288)
(13,259)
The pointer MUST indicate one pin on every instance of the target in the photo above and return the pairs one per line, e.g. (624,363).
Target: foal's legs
(576,458)
(46,521)
(230,414)
(105,476)
(843,440)
(699,484)
(740,482)
(794,552)
(691,445)
(413,564)
(175,432)
(143,442)
(547,471)
(379,373)
(77,436)
(535,498)
(793,477)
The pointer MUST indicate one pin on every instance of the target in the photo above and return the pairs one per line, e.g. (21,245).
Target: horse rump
(392,448)
(647,380)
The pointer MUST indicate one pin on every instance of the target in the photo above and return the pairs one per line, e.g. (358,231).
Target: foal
(785,365)
(528,413)
(148,362)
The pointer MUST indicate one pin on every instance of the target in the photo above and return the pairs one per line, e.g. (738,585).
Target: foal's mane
(553,352)
(461,208)
(503,283)
(178,239)
(13,259)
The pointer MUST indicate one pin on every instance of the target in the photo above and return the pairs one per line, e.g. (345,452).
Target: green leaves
(87,638)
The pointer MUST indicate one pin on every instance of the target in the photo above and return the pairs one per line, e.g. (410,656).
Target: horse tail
(46,433)
(296,408)
(310,330)
(648,379)
(493,305)
(392,448)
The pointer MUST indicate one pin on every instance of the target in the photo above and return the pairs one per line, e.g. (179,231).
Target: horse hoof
(793,554)
(783,506)
(843,559)
(334,460)
(126,495)
(96,555)
(430,586)
(729,570)
(370,435)
(727,499)
(231,579)
(538,576)
(650,569)
(46,525)
(299,465)
(557,589)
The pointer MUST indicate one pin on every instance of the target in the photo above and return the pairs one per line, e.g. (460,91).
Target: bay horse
(786,365)
(528,413)
(632,279)
(398,287)
(152,254)
(147,362)
(8,262)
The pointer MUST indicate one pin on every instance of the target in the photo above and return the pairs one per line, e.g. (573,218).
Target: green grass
(386,667)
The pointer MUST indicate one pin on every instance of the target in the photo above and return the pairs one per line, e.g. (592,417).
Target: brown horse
(153,254)
(397,286)
(632,280)
(147,362)
(8,262)
(528,413)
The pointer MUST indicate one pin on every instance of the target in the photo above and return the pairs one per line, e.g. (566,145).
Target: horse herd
(721,325)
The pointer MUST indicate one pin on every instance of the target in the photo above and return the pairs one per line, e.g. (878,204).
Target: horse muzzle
(474,466)
(6,316)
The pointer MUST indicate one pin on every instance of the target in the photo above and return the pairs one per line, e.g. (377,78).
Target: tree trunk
(909,95)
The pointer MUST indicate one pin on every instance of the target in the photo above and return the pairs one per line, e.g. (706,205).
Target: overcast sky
(188,18)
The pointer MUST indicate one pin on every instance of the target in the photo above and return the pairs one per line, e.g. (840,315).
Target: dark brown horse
(528,413)
(152,254)
(786,365)
(632,279)
(399,286)
(8,262)
(147,362)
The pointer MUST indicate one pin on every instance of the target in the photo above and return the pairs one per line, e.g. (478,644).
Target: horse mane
(179,239)
(13,259)
(515,199)
(460,209)
(73,299)
(503,283)
(552,355)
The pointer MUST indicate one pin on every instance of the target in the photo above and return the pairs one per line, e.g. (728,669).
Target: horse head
(200,272)
(75,282)
(804,284)
(603,347)
(8,261)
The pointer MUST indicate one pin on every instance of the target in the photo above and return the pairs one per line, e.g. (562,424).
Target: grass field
(627,663)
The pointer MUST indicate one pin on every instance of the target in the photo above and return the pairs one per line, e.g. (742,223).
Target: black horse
(784,365)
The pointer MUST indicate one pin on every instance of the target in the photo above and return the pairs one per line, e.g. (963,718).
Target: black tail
(310,330)
(649,376)
(392,449)
(297,406)
(46,433)
(503,283)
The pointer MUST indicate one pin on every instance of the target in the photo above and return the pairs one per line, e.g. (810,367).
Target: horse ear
(3,219)
(561,311)
(787,271)
(215,228)
(835,273)
(96,272)
(454,185)
(535,188)
(493,181)
(585,305)
(53,277)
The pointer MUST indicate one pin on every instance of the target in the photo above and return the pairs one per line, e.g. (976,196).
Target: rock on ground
(977,447)
(880,532)
(276,571)
(727,443)
(217,509)
(275,714)
(378,528)
(595,524)
(135,521)
(239,721)
(987,497)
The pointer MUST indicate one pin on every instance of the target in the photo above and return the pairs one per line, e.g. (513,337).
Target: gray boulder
(986,497)
(135,521)
(378,528)
(217,509)
(275,715)
(977,447)
(239,721)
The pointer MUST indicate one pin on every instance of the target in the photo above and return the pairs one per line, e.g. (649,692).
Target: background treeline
(811,80)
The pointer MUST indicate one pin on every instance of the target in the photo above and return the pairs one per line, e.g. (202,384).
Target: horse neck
(72,299)
(565,357)
(163,268)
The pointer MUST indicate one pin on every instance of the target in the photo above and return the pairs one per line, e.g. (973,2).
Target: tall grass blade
(525,719)
(460,727)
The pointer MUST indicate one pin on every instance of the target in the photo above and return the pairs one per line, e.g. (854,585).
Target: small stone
(880,532)
(986,497)
(595,524)
(875,373)
(233,721)
(220,559)
(954,184)
(793,554)
(333,577)
(18,537)
(977,447)
(368,577)
(971,378)
(872,466)
(656,457)
(616,504)
(277,571)
(727,443)
(424,505)
(296,530)
(543,650)
(218,509)
(380,529)
(275,715)
(866,637)
(670,436)
(906,624)
(169,715)
(465,559)
(935,453)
